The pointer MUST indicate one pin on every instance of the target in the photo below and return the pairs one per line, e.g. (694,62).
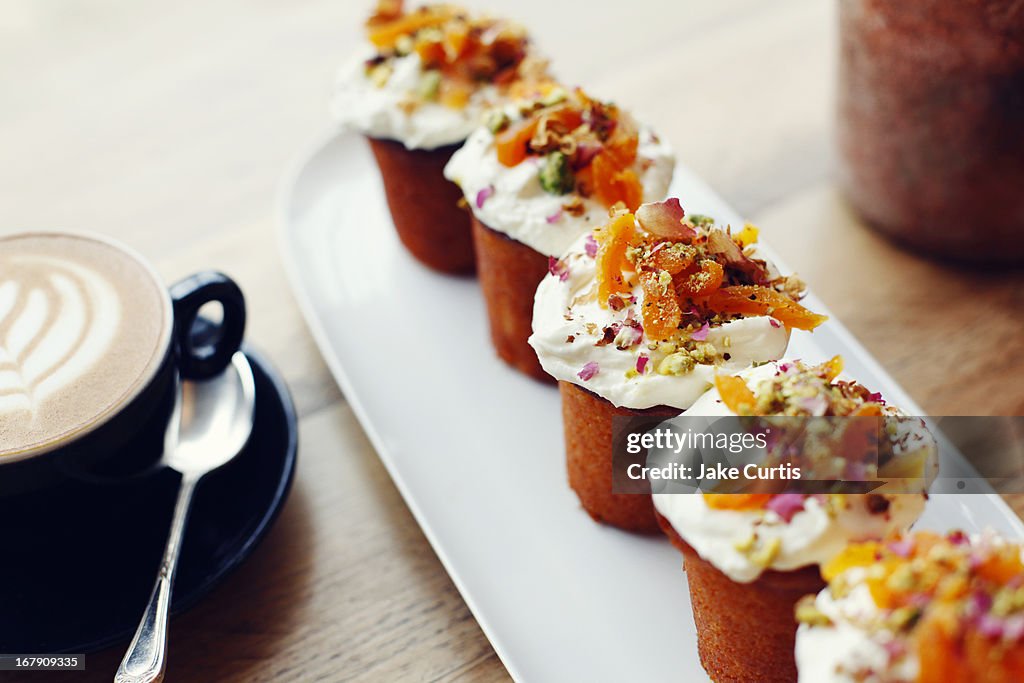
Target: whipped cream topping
(381,110)
(566,306)
(731,540)
(514,203)
(744,543)
(842,651)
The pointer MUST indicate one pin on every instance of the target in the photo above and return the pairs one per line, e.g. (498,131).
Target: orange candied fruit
(614,183)
(737,501)
(613,241)
(735,393)
(757,300)
(512,143)
(661,312)
(385,34)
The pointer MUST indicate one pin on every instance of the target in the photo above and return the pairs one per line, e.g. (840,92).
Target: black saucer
(77,564)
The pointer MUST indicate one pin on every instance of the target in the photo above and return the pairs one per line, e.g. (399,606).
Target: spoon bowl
(214,420)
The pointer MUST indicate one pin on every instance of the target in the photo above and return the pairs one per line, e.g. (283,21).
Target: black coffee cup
(127,439)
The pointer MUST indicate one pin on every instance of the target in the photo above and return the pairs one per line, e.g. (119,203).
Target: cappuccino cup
(91,346)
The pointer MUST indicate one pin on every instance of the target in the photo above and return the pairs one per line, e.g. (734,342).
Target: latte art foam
(82,327)
(57,319)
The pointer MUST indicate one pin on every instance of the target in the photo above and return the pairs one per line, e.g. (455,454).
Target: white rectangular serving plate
(475,448)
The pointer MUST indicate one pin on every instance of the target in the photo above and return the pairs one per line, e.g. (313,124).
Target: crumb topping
(459,52)
(952,604)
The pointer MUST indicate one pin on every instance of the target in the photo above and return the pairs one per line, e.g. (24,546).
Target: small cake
(540,174)
(920,609)
(638,317)
(416,92)
(748,554)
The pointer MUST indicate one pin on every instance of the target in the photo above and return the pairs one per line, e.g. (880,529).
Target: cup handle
(205,350)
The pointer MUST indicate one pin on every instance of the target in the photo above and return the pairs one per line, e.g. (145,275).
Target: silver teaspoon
(210,425)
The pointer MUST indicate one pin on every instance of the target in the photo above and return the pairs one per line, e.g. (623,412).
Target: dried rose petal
(702,333)
(590,246)
(589,370)
(774,323)
(559,268)
(483,195)
(641,363)
(786,505)
(585,153)
(904,547)
(554,218)
(665,219)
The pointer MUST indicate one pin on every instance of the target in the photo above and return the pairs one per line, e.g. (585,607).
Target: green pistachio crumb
(807,612)
(745,545)
(554,97)
(679,363)
(430,85)
(496,121)
(556,175)
(767,553)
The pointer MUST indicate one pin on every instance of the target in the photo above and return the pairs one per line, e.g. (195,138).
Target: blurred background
(170,125)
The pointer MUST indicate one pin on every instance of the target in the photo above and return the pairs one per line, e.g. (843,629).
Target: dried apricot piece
(831,368)
(387,34)
(757,300)
(855,555)
(613,184)
(456,38)
(613,241)
(622,146)
(702,281)
(737,501)
(672,259)
(1000,567)
(661,312)
(455,94)
(735,393)
(940,658)
(565,118)
(511,143)
(431,53)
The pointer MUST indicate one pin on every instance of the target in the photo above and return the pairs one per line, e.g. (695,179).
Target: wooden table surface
(168,126)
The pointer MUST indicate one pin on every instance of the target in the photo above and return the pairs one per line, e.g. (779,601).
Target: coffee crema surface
(84,326)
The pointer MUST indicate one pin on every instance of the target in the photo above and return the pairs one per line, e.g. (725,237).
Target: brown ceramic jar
(931,123)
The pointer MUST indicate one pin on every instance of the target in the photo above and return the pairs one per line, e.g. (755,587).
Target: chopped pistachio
(700,219)
(901,580)
(745,545)
(631,373)
(904,618)
(664,280)
(679,363)
(767,553)
(380,74)
(404,44)
(496,121)
(556,96)
(704,353)
(556,175)
(807,612)
(430,85)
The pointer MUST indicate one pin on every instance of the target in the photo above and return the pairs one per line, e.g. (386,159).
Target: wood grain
(168,125)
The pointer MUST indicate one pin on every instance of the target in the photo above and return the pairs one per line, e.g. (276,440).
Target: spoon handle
(145,660)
